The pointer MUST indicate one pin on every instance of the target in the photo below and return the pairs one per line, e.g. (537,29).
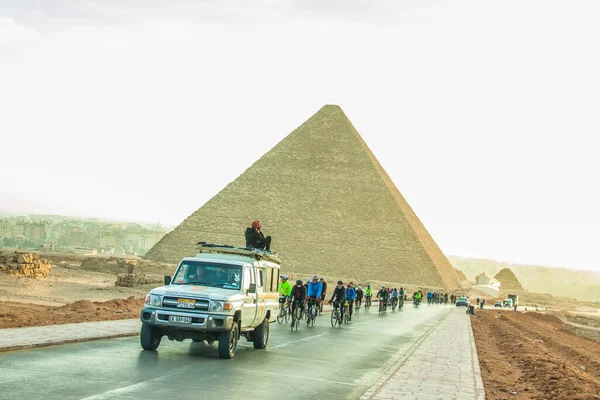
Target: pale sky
(484,113)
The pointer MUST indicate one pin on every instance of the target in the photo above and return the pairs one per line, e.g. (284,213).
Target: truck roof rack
(258,254)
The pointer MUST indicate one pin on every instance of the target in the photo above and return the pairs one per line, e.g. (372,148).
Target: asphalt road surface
(318,362)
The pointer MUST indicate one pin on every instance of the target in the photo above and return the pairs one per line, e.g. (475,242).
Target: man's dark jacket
(339,294)
(254,238)
(298,291)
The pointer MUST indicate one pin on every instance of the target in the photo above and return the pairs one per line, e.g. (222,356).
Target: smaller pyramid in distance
(508,280)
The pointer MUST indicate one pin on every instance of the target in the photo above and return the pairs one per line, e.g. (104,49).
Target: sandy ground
(535,356)
(73,293)
(16,315)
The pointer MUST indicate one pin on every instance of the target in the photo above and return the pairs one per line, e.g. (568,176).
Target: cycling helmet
(299,282)
(307,280)
(340,283)
(383,287)
(315,278)
(359,287)
(284,277)
(368,285)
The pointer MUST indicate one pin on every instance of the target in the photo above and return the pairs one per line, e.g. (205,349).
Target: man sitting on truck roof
(255,238)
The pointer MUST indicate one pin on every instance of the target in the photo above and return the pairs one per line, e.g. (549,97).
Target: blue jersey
(315,289)
(350,293)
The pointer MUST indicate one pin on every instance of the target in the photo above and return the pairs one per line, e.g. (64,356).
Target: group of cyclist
(310,296)
(313,292)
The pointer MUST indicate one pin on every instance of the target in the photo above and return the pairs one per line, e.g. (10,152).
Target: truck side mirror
(167,279)
(252,288)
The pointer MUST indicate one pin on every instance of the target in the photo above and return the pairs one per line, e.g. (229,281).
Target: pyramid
(330,207)
(508,280)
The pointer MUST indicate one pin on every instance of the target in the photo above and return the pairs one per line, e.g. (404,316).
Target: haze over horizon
(483,114)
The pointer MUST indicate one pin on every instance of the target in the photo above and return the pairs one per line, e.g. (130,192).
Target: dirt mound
(508,280)
(553,319)
(14,315)
(532,356)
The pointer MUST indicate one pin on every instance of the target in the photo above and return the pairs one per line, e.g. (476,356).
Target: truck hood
(197,291)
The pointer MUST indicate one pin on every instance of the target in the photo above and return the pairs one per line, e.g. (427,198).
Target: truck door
(249,303)
(260,294)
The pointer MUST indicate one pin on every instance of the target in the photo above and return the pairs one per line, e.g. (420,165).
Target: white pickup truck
(222,293)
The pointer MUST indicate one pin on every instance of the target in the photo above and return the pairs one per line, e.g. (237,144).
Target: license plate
(186,303)
(180,320)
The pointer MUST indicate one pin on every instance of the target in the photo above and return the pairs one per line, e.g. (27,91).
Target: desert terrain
(78,289)
(530,355)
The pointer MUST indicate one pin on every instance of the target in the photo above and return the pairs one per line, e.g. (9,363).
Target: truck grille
(171,302)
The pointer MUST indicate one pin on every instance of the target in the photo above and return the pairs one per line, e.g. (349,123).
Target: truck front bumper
(199,322)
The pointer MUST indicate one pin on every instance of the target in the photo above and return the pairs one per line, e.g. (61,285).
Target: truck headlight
(216,306)
(153,300)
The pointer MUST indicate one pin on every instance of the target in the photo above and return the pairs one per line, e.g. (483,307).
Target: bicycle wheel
(334,318)
(298,314)
(280,315)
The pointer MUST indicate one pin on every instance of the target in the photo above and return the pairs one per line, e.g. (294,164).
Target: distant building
(86,251)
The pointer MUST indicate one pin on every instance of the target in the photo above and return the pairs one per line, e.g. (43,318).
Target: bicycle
(284,311)
(346,311)
(400,303)
(394,303)
(382,305)
(320,307)
(311,314)
(357,305)
(336,317)
(296,316)
(367,302)
(416,303)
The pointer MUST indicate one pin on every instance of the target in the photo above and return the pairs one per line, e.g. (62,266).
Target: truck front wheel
(261,335)
(228,342)
(150,337)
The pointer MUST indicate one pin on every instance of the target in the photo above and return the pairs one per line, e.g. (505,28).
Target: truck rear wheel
(150,337)
(261,335)
(228,342)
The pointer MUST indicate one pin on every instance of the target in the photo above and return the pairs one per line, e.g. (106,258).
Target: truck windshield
(203,273)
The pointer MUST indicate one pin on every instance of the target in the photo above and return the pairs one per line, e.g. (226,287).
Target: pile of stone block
(130,280)
(27,264)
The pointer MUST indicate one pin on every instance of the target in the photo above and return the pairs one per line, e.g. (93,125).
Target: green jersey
(285,288)
(368,292)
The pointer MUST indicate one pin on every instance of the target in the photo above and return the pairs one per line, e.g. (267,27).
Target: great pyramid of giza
(508,280)
(330,207)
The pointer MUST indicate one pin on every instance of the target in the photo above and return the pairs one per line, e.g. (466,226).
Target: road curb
(66,341)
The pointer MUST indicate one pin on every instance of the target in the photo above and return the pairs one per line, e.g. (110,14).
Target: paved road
(319,362)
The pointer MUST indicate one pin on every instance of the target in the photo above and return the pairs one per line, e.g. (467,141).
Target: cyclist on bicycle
(339,295)
(285,288)
(368,293)
(314,290)
(383,294)
(394,296)
(350,296)
(323,292)
(359,295)
(297,296)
